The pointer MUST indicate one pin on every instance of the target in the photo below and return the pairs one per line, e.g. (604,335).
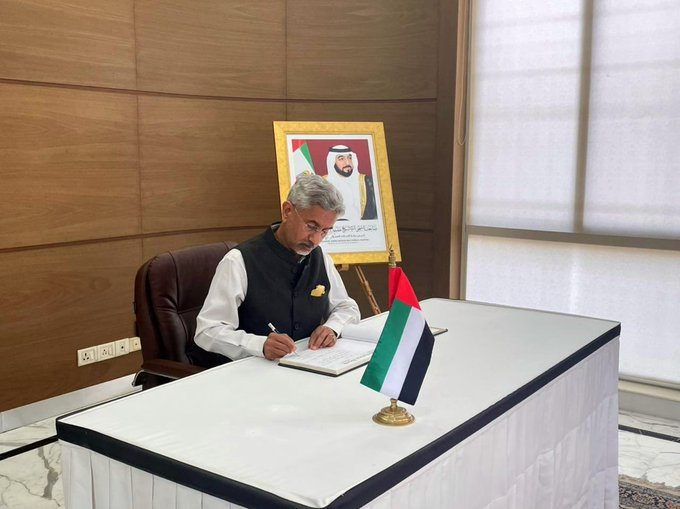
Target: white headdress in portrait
(348,186)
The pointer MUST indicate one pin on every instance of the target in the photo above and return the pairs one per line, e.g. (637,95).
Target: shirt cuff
(336,325)
(255,345)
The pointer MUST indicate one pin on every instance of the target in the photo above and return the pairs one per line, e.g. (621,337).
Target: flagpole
(393,415)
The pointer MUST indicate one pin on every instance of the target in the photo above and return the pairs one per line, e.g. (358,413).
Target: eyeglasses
(312,228)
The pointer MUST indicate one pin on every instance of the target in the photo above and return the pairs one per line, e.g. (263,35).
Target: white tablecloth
(518,410)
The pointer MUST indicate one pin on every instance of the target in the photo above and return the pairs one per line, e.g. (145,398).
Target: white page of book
(366,330)
(344,353)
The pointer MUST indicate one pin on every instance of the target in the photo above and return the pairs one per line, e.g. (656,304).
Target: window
(573,167)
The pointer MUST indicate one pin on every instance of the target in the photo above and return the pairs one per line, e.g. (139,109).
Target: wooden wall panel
(68,165)
(55,301)
(155,245)
(410,139)
(362,49)
(417,256)
(185,154)
(84,42)
(207,163)
(234,48)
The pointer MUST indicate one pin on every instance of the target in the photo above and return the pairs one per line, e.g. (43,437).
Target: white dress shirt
(217,323)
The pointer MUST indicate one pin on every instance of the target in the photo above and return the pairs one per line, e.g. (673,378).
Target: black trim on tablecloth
(172,470)
(358,496)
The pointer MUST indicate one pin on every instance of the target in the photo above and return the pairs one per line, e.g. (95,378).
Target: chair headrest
(169,292)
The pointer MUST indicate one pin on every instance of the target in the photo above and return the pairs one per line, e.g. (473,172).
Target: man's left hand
(322,337)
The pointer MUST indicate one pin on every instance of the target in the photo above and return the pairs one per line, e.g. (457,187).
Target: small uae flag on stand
(402,355)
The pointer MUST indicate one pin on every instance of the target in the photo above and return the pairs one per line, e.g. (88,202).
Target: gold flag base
(393,415)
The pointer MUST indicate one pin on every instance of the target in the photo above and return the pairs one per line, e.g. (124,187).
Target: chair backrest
(169,292)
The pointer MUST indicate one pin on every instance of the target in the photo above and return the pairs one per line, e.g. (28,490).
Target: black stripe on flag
(418,368)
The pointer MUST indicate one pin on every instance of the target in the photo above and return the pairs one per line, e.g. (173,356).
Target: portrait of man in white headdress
(357,188)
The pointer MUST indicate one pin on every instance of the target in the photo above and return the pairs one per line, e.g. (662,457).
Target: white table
(518,409)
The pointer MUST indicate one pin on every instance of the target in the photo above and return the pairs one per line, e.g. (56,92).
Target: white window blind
(573,169)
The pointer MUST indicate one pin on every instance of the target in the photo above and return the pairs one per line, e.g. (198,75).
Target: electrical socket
(105,351)
(87,356)
(135,344)
(122,347)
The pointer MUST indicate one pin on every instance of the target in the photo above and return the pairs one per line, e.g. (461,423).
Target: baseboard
(650,399)
(28,414)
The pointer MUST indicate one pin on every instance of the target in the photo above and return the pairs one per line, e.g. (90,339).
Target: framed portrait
(352,156)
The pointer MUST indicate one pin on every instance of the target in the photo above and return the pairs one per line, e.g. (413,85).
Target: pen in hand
(276,331)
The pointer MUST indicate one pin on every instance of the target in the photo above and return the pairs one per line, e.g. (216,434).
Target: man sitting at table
(280,277)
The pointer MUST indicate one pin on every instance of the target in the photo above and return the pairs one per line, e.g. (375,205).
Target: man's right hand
(278,345)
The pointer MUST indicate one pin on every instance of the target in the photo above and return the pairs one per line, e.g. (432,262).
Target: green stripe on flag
(305,151)
(377,368)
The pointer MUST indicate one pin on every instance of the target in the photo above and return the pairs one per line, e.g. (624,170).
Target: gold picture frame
(368,229)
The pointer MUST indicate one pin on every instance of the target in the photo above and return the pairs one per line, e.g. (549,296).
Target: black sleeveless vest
(292,295)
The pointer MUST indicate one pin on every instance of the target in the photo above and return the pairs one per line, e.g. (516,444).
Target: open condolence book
(352,350)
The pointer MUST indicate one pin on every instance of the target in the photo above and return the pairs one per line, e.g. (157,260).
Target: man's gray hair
(311,190)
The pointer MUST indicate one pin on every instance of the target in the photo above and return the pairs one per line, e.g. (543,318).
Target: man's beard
(343,173)
(304,248)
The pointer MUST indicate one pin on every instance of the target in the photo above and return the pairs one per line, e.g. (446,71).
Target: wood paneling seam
(139,236)
(152,93)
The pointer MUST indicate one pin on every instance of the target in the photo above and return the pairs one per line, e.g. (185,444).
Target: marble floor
(654,458)
(31,480)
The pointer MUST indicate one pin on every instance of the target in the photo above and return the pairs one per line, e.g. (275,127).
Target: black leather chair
(169,292)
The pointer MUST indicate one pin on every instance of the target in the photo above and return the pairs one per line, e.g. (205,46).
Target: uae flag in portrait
(402,355)
(302,159)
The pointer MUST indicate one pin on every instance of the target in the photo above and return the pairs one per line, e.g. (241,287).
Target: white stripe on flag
(300,163)
(401,361)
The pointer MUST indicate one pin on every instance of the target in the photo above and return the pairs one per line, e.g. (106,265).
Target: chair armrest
(170,369)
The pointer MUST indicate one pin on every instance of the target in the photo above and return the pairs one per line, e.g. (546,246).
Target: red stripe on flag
(400,288)
(297,144)
(393,277)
